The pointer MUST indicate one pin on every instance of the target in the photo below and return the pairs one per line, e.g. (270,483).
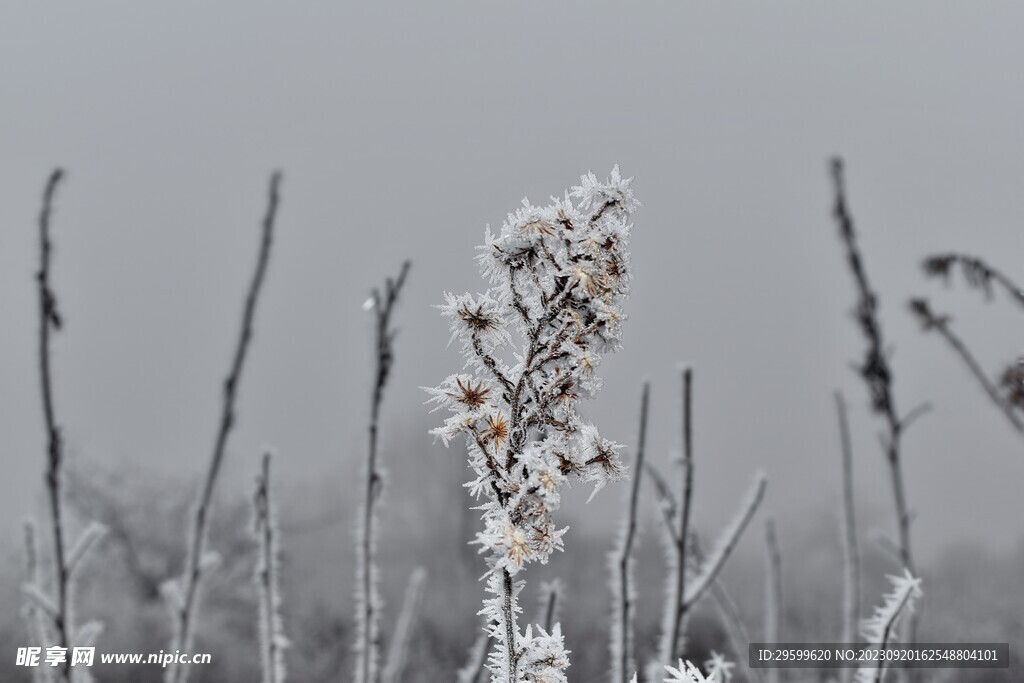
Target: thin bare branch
(931,321)
(368,600)
(851,546)
(50,321)
(186,607)
(977,273)
(875,370)
(683,523)
(623,635)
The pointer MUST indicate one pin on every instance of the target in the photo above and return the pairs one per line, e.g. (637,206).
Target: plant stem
(851,549)
(50,321)
(368,618)
(193,570)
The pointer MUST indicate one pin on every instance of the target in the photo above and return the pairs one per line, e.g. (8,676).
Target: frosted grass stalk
(621,561)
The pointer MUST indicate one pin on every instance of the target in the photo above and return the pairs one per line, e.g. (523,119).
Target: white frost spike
(688,673)
(719,668)
(880,629)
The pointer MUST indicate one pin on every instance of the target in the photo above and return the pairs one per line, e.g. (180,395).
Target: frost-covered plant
(532,343)
(273,640)
(881,628)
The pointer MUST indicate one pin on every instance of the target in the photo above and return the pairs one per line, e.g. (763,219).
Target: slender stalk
(50,321)
(623,635)
(678,618)
(940,323)
(367,595)
(875,371)
(851,547)
(773,591)
(184,611)
(272,638)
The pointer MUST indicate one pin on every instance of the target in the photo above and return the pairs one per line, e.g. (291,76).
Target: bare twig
(368,601)
(185,598)
(976,272)
(677,521)
(773,591)
(875,371)
(624,590)
(50,321)
(851,547)
(931,321)
(272,638)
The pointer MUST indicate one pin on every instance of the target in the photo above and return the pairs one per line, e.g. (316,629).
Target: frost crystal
(532,344)
(688,673)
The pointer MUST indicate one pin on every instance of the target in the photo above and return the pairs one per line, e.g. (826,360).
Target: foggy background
(403,131)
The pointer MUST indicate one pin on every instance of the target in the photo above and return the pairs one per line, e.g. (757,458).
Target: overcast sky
(403,131)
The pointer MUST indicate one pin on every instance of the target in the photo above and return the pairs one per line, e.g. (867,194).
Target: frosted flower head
(461,392)
(479,319)
(544,658)
(602,462)
(614,192)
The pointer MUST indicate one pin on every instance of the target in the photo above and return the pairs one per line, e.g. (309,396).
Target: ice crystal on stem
(532,343)
(881,629)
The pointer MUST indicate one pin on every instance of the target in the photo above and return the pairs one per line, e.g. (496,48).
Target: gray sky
(403,131)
